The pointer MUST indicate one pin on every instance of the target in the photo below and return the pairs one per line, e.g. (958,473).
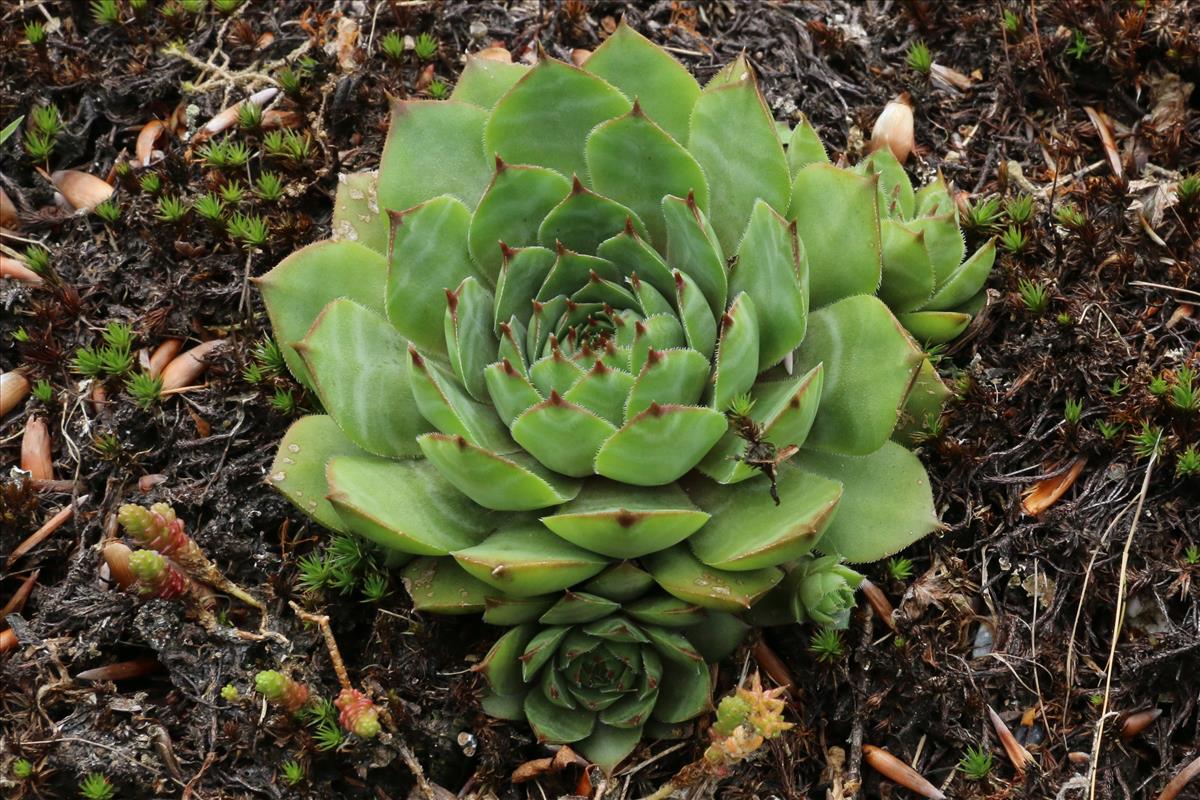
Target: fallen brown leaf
(1046,493)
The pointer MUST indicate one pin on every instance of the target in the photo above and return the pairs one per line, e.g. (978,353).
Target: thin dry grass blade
(1138,721)
(162,355)
(773,665)
(897,771)
(116,557)
(8,640)
(1100,123)
(1046,493)
(149,134)
(879,603)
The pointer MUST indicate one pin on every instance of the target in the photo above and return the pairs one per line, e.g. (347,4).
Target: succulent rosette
(603,665)
(603,314)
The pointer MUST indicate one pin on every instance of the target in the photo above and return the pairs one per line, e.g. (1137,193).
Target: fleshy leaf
(772,270)
(484,81)
(660,444)
(736,364)
(648,74)
(357,361)
(732,136)
(679,573)
(404,505)
(356,213)
(621,582)
(837,218)
(467,323)
(577,607)
(693,249)
(441,586)
(935,327)
(676,376)
(966,281)
(299,467)
(887,504)
(511,392)
(584,219)
(805,147)
(623,521)
(563,436)
(609,744)
(699,326)
(944,243)
(778,533)
(444,403)
(501,667)
(296,290)
(685,693)
(523,272)
(869,363)
(546,116)
(526,560)
(553,723)
(923,406)
(504,483)
(635,162)
(428,255)
(634,256)
(896,198)
(784,409)
(907,281)
(508,611)
(665,611)
(603,390)
(510,211)
(432,149)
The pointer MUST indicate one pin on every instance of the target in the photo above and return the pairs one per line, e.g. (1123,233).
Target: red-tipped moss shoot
(279,689)
(358,714)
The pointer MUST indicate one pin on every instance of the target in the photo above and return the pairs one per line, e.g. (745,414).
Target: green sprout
(1073,411)
(268,353)
(919,58)
(1019,209)
(170,209)
(826,645)
(105,12)
(438,89)
(982,215)
(43,392)
(145,390)
(1188,189)
(1187,464)
(1035,295)
(250,116)
(107,446)
(1148,442)
(226,7)
(193,6)
(95,786)
(250,229)
(1184,395)
(900,568)
(1078,48)
(1192,554)
(1117,387)
(392,46)
(237,155)
(108,211)
(1014,240)
(268,187)
(291,772)
(283,402)
(150,183)
(290,80)
(1109,430)
(46,119)
(287,144)
(88,362)
(22,769)
(37,258)
(375,587)
(1158,386)
(426,47)
(209,207)
(976,765)
(315,572)
(39,146)
(1069,216)
(233,193)
(1011,22)
(229,693)
(21,335)
(1064,319)
(35,33)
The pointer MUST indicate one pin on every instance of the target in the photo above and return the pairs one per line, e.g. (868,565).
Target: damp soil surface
(1076,104)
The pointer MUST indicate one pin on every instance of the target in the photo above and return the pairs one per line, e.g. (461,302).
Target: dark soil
(1003,610)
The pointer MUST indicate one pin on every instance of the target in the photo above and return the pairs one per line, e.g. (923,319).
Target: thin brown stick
(17,601)
(335,655)
(43,533)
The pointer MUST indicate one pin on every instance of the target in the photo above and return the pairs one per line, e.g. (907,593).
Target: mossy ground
(1003,609)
